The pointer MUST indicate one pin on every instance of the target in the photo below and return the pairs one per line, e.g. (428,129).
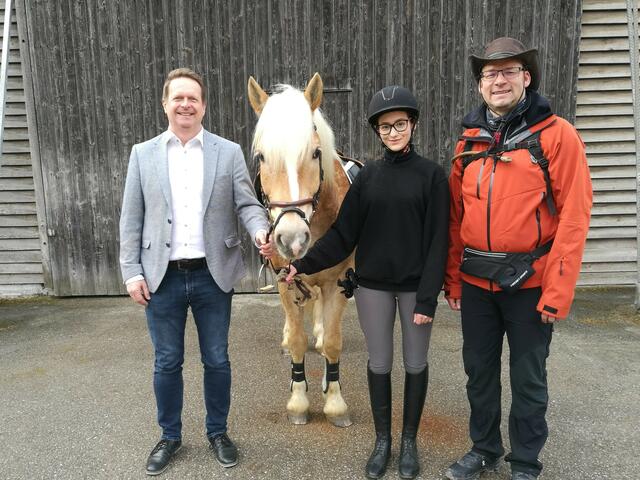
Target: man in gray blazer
(180,248)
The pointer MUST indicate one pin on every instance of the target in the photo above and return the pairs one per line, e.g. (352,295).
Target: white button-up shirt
(186,166)
(186,177)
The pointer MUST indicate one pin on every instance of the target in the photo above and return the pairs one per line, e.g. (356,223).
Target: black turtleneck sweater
(396,213)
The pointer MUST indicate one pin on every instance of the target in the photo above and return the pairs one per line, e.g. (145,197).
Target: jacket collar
(537,109)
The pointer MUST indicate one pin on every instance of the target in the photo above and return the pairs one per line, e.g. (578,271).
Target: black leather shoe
(226,452)
(161,455)
(471,465)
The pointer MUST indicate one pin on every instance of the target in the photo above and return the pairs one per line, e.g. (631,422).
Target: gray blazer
(145,220)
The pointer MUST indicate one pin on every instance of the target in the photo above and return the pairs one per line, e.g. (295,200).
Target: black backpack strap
(468,147)
(532,143)
(542,250)
(537,156)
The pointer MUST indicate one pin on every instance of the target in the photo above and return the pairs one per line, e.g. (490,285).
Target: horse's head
(293,148)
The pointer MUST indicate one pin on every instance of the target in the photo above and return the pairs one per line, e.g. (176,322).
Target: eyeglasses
(508,73)
(399,126)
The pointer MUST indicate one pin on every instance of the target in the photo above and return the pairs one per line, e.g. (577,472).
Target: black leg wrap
(332,373)
(297,374)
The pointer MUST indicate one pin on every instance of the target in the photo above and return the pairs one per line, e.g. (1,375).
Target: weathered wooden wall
(97,70)
(605,120)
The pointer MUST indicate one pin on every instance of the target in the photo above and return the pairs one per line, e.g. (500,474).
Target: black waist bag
(508,270)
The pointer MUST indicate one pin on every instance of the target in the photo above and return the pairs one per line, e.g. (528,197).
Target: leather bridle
(289,207)
(293,206)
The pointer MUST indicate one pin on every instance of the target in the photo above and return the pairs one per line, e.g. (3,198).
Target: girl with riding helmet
(396,214)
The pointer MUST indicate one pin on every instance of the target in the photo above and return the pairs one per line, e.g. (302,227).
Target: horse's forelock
(284,131)
(285,128)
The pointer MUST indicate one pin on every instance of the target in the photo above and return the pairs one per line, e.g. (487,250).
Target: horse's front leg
(318,321)
(298,404)
(284,346)
(335,408)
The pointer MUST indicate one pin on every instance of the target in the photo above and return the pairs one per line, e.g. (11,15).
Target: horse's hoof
(341,421)
(298,418)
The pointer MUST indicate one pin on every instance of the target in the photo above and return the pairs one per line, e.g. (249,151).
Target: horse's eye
(317,153)
(258,158)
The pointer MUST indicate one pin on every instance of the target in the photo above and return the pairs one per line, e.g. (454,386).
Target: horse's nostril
(279,241)
(306,237)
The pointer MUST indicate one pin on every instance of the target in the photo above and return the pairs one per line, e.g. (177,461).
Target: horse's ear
(313,92)
(257,96)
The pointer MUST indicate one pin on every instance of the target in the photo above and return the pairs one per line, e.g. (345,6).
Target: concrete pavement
(76,398)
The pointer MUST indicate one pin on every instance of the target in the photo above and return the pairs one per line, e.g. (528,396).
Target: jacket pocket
(232,241)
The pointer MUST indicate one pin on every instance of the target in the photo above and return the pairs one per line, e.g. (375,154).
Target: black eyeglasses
(508,73)
(399,126)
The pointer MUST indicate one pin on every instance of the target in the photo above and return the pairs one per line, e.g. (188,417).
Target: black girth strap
(297,373)
(332,371)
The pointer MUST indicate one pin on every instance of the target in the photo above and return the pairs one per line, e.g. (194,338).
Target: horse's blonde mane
(284,132)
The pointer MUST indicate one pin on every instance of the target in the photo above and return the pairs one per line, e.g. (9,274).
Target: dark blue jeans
(166,319)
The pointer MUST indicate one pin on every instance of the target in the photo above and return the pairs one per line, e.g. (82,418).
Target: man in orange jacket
(520,205)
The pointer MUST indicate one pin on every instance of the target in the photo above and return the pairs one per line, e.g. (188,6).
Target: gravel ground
(76,399)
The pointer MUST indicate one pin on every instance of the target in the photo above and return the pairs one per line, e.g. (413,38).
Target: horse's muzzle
(292,244)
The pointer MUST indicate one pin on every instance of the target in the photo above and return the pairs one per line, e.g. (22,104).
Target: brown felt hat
(507,47)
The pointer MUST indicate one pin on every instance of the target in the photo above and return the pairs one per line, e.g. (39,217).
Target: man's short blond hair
(186,73)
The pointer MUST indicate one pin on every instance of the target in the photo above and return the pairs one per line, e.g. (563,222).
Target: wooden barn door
(80,141)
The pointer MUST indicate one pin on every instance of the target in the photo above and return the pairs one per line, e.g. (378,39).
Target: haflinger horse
(302,186)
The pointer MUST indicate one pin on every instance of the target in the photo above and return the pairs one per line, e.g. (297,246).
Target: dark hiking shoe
(523,476)
(471,466)
(161,455)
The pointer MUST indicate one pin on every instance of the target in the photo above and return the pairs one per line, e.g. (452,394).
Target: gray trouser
(377,314)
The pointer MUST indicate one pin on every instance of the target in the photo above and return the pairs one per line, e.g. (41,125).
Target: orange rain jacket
(500,206)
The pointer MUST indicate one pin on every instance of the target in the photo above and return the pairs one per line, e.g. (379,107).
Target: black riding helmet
(393,97)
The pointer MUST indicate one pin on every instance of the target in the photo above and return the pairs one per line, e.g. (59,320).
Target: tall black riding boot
(380,396)
(415,391)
